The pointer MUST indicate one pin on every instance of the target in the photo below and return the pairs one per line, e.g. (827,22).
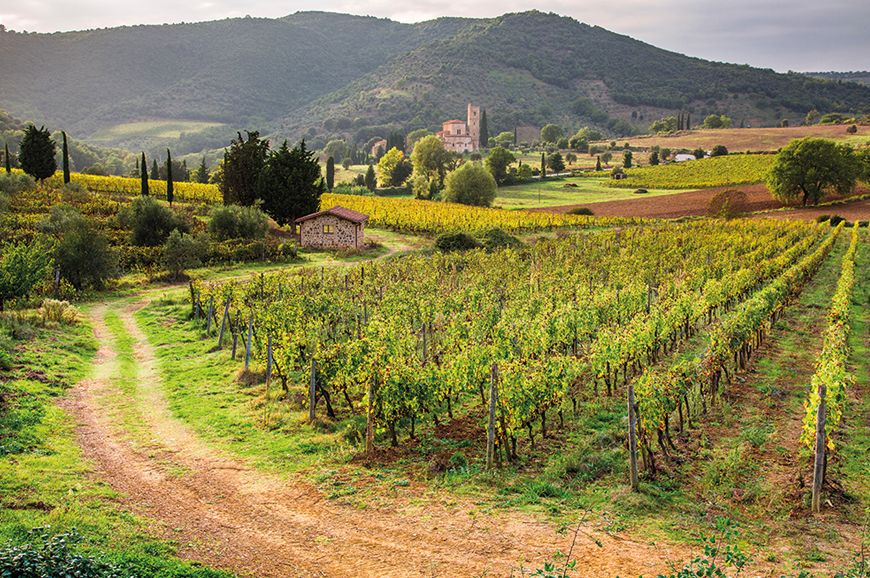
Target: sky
(799,35)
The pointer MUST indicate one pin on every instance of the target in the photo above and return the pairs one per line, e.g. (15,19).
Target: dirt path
(227,515)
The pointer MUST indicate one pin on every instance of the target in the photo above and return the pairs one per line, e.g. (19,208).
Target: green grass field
(152,129)
(557,192)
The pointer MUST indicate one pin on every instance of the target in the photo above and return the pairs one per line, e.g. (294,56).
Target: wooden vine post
(632,438)
(312,391)
(210,315)
(224,324)
(819,465)
(248,343)
(268,361)
(490,428)
(370,419)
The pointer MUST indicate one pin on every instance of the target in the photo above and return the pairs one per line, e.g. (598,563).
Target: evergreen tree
(8,159)
(484,130)
(65,159)
(330,173)
(170,192)
(290,184)
(598,163)
(543,166)
(136,172)
(371,180)
(36,153)
(202,172)
(688,121)
(185,173)
(654,158)
(143,176)
(244,162)
(626,159)
(155,170)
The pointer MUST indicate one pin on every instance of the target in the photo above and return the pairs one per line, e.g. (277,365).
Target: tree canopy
(470,184)
(243,164)
(36,153)
(551,133)
(290,184)
(497,162)
(22,267)
(810,168)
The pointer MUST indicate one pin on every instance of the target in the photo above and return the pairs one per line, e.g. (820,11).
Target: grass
(158,129)
(48,484)
(557,191)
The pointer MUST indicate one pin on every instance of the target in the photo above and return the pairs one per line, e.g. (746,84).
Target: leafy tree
(654,158)
(716,121)
(484,130)
(155,171)
(863,164)
(430,159)
(201,173)
(182,252)
(626,159)
(505,139)
(345,163)
(810,168)
(699,153)
(370,179)
(36,153)
(244,163)
(570,158)
(497,162)
(143,186)
(22,267)
(588,134)
(812,116)
(392,170)
(150,222)
(414,136)
(719,151)
(170,186)
(578,143)
(665,154)
(83,255)
(290,184)
(337,149)
(65,158)
(664,125)
(551,133)
(556,163)
(470,184)
(7,159)
(237,222)
(330,174)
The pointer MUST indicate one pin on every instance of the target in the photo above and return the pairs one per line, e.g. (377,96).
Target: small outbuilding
(335,228)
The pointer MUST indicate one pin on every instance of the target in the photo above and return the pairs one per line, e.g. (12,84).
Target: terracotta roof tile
(340,212)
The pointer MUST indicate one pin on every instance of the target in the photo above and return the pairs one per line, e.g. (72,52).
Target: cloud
(795,35)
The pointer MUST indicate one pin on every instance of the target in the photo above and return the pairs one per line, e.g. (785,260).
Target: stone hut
(335,228)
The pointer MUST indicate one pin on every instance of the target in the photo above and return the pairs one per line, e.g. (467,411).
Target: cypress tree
(170,193)
(155,172)
(136,172)
(688,121)
(290,184)
(65,158)
(484,130)
(330,173)
(36,153)
(8,160)
(598,163)
(202,172)
(543,166)
(243,166)
(370,178)
(143,175)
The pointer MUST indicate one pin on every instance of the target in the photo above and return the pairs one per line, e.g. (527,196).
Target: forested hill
(322,74)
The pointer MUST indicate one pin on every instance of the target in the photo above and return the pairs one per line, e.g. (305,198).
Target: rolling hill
(322,74)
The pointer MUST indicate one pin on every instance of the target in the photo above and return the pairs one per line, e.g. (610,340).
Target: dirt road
(228,515)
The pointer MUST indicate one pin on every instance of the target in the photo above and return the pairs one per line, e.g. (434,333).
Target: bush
(455,242)
(641,191)
(54,556)
(57,312)
(12,183)
(182,252)
(236,222)
(151,222)
(470,184)
(727,204)
(84,256)
(352,189)
(496,238)
(852,129)
(719,151)
(580,211)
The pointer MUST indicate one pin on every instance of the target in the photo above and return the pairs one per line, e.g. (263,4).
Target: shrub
(580,211)
(727,204)
(151,222)
(496,238)
(182,252)
(640,191)
(470,184)
(59,312)
(236,222)
(84,256)
(53,556)
(12,183)
(455,242)
(719,151)
(852,129)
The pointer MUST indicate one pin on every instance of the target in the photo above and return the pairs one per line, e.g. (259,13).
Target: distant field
(700,174)
(749,139)
(552,193)
(152,129)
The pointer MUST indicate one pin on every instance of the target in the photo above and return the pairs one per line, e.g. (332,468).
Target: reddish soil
(695,203)
(226,514)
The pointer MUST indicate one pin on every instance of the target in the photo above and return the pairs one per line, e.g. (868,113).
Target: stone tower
(474,125)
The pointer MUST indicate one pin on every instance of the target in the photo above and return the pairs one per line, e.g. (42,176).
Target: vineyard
(516,338)
(413,215)
(736,169)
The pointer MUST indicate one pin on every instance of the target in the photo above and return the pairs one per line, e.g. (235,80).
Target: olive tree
(470,184)
(809,168)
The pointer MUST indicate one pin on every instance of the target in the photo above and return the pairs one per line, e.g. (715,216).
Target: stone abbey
(462,135)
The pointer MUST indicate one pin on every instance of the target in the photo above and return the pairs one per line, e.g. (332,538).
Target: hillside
(321,74)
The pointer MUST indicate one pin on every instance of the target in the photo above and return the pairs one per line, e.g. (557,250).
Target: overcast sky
(799,35)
